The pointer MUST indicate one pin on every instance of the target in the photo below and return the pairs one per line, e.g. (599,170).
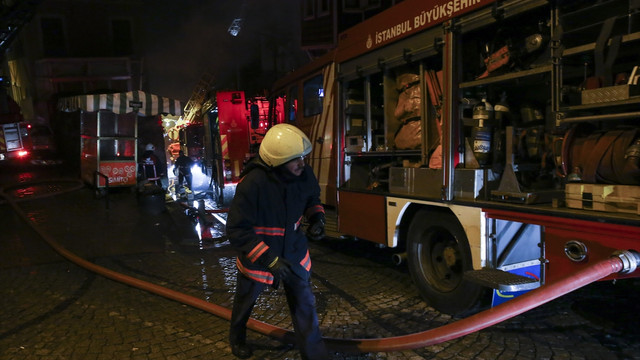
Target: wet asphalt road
(53,309)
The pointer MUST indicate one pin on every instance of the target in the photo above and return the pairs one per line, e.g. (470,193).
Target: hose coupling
(630,260)
(399,258)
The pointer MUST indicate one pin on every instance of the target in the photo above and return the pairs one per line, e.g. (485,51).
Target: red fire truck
(227,133)
(15,142)
(234,135)
(235,129)
(495,144)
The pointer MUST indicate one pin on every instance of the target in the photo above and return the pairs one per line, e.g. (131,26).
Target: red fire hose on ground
(622,261)
(497,314)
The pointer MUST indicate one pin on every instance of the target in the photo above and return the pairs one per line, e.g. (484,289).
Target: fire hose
(623,261)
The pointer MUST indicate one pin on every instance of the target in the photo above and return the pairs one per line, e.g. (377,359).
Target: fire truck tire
(438,254)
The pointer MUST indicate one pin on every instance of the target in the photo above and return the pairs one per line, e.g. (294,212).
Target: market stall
(109,125)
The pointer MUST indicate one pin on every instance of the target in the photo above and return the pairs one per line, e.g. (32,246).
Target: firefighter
(182,169)
(276,192)
(150,165)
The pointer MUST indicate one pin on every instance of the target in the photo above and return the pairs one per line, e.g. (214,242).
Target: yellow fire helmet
(282,143)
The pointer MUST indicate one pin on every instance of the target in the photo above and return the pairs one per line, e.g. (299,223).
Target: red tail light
(23,153)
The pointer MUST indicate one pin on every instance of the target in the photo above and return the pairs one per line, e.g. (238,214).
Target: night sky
(188,38)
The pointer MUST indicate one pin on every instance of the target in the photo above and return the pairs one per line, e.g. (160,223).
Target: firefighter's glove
(280,268)
(315,230)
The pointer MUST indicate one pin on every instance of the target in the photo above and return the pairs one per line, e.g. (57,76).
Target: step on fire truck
(495,144)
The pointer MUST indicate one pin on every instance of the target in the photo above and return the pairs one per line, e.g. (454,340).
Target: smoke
(185,39)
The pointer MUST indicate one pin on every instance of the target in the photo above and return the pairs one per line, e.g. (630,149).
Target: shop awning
(121,103)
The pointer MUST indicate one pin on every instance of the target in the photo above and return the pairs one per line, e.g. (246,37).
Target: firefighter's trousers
(301,306)
(184,176)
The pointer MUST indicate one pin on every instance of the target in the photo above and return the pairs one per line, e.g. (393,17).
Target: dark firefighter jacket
(265,217)
(184,163)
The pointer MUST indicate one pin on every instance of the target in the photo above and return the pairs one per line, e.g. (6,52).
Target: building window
(360,5)
(53,37)
(309,10)
(351,5)
(372,4)
(122,37)
(323,8)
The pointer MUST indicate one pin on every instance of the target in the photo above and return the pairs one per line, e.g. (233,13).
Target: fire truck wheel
(438,254)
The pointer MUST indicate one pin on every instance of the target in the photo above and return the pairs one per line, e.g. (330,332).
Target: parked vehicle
(42,137)
(488,141)
(44,149)
(224,135)
(15,142)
